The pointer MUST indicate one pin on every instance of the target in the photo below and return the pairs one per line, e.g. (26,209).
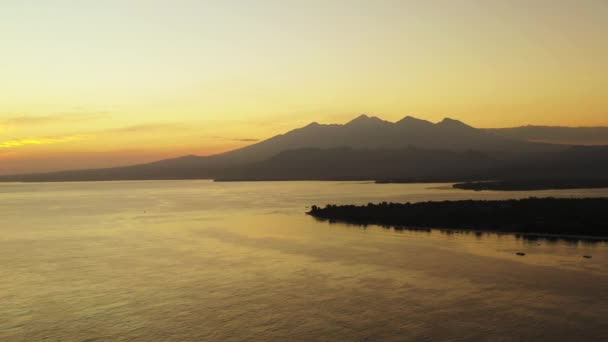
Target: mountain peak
(363,119)
(410,120)
(447,122)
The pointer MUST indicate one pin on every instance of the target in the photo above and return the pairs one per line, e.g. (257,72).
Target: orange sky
(90,83)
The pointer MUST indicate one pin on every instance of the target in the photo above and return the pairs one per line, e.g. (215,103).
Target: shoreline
(579,218)
(533,185)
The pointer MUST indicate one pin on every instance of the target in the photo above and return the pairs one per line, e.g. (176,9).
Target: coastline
(533,184)
(579,218)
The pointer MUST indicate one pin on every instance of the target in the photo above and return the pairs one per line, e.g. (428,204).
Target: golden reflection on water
(235,261)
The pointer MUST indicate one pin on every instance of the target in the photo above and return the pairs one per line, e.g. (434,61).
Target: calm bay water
(197,260)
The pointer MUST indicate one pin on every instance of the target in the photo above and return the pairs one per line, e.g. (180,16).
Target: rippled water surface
(197,260)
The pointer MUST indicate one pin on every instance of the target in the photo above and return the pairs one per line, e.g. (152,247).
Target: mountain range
(371,148)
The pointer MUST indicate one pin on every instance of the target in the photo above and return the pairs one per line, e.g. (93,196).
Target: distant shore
(534,184)
(572,217)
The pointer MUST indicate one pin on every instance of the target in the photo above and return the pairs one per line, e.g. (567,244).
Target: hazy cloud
(147,127)
(134,129)
(237,139)
(246,140)
(39,141)
(59,118)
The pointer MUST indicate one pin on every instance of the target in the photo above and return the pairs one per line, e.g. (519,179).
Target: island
(582,217)
(534,184)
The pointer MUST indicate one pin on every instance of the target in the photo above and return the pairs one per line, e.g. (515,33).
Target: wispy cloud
(143,128)
(39,141)
(150,127)
(246,140)
(237,139)
(51,119)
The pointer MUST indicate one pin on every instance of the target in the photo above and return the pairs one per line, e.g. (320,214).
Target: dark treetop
(572,216)
(534,184)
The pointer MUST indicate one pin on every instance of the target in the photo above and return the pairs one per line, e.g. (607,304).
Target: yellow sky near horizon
(92,84)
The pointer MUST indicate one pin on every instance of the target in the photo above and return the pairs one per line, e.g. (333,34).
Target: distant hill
(574,162)
(414,164)
(364,148)
(346,163)
(555,135)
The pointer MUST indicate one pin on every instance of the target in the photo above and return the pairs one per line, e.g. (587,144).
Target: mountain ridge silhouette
(363,136)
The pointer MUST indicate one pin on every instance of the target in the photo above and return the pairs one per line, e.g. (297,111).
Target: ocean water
(205,261)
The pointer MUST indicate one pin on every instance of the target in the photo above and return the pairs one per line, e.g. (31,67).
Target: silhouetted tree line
(571,216)
(534,184)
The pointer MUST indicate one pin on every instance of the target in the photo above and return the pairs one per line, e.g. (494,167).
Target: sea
(199,260)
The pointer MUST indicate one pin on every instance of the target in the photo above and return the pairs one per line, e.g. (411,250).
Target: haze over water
(197,260)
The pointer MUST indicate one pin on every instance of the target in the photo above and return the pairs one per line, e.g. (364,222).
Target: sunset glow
(164,78)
